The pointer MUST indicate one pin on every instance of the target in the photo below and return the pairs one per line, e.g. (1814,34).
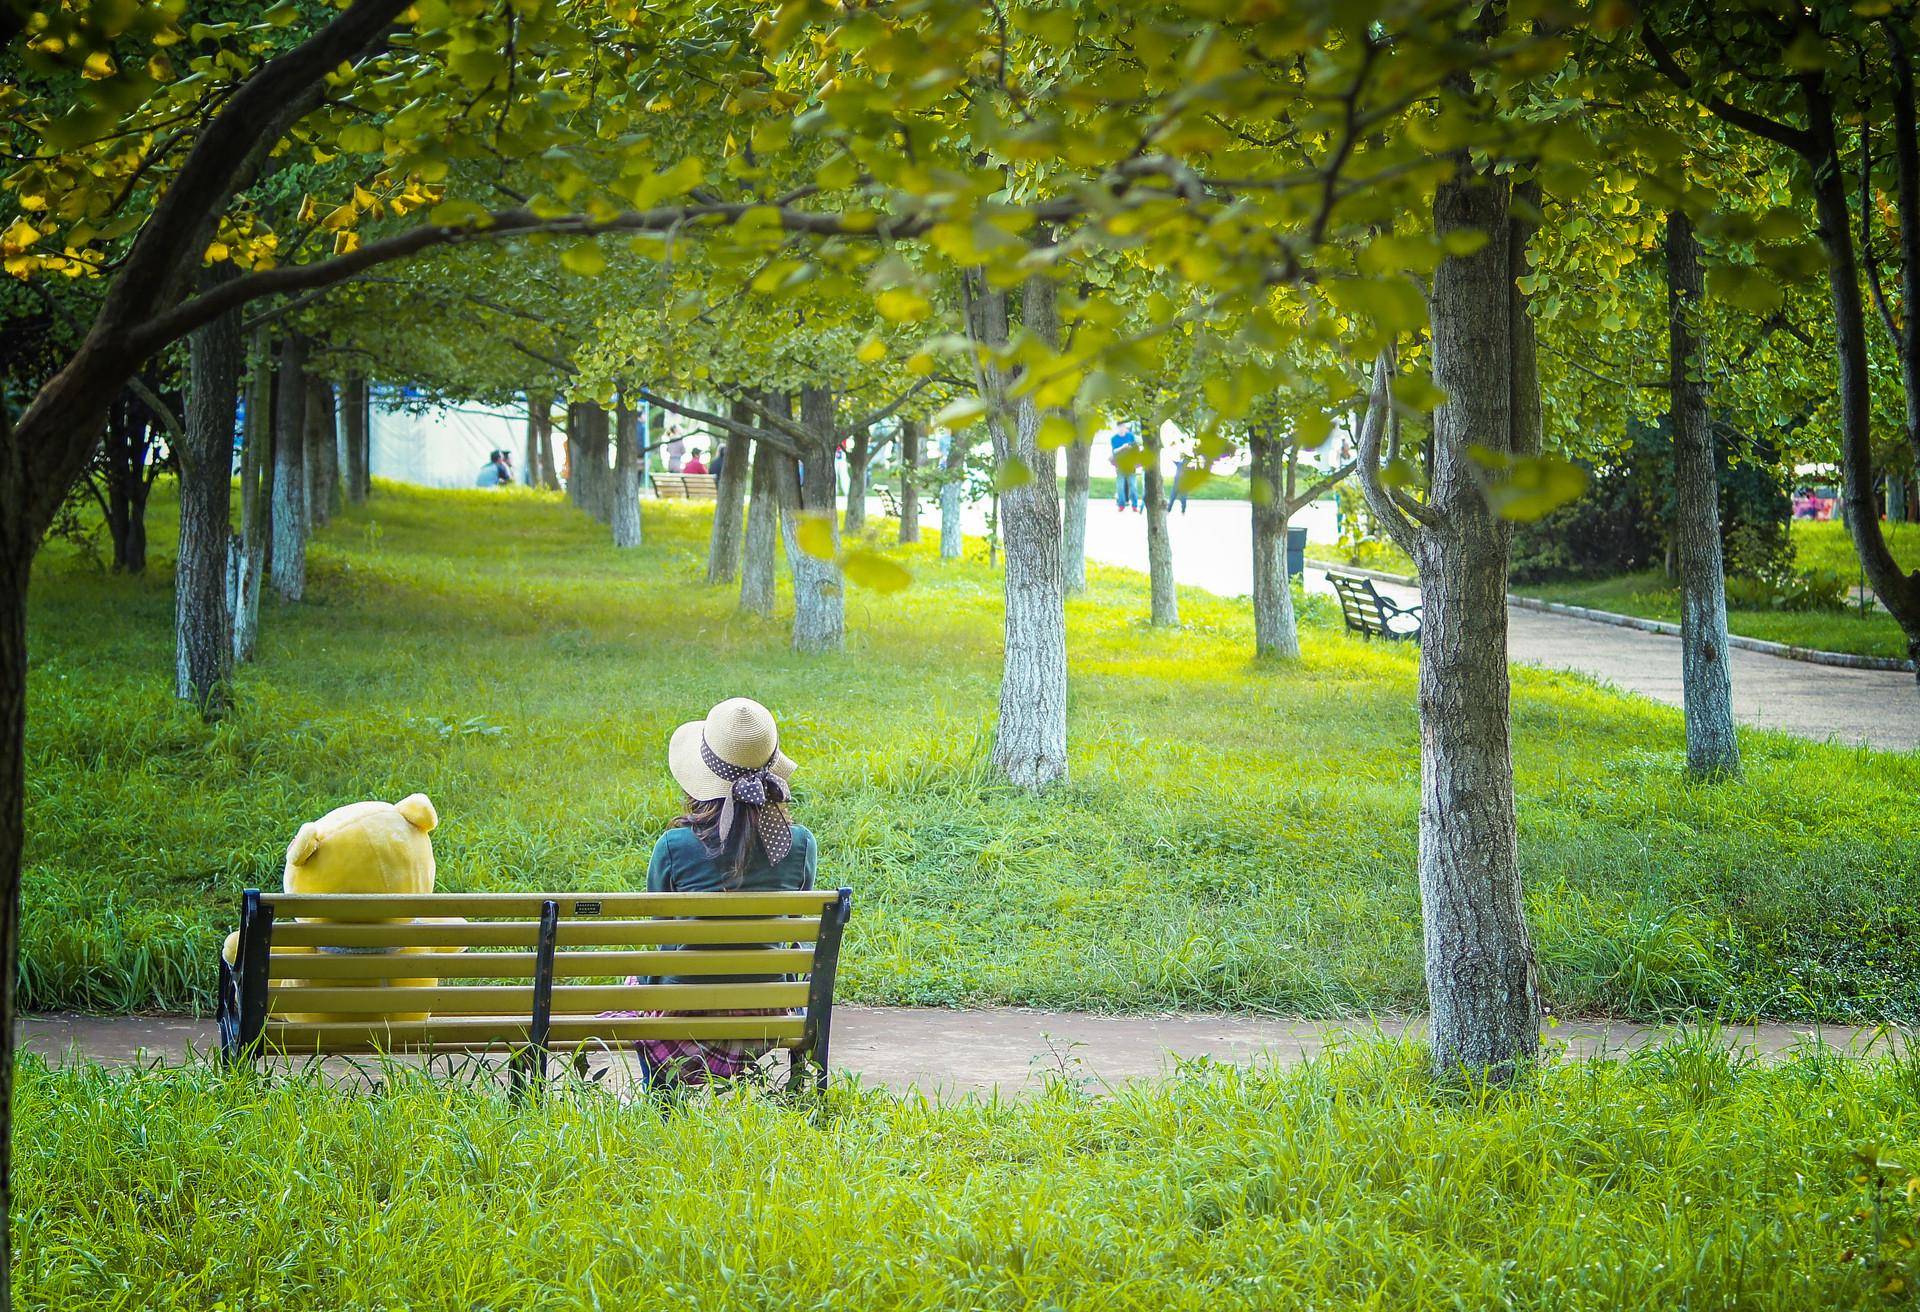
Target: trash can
(1296,551)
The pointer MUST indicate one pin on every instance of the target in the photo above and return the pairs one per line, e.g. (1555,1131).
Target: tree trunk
(763,523)
(1896,498)
(576,446)
(626,479)
(591,471)
(124,452)
(323,465)
(858,453)
(202,625)
(1073,537)
(256,497)
(819,596)
(910,434)
(1276,631)
(1706,679)
(1164,602)
(729,507)
(1030,742)
(952,536)
(1896,589)
(549,467)
(534,472)
(1481,978)
(356,419)
(289,472)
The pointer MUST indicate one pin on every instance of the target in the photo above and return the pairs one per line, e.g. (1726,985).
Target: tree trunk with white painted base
(625,510)
(1482,980)
(763,524)
(1705,677)
(1030,741)
(289,472)
(952,535)
(859,454)
(1276,630)
(911,431)
(1163,607)
(249,549)
(819,600)
(1073,535)
(203,635)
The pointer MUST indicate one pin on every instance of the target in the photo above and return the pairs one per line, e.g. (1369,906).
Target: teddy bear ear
(419,812)
(304,845)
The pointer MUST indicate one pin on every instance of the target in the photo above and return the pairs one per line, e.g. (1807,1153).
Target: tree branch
(1395,517)
(1785,134)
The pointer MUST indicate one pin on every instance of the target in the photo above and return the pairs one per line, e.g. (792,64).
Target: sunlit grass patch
(1679,1177)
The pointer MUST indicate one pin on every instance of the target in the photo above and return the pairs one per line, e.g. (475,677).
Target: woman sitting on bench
(735,834)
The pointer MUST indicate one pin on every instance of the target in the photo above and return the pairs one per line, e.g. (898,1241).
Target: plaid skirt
(695,1062)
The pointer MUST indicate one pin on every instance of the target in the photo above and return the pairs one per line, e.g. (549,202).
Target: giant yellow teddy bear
(368,847)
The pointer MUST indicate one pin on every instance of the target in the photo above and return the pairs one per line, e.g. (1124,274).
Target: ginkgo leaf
(1012,473)
(871,351)
(584,258)
(1527,487)
(814,533)
(870,569)
(963,413)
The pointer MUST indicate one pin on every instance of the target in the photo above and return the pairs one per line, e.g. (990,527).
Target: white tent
(440,447)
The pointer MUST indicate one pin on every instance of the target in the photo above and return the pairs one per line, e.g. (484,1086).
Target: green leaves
(1526,487)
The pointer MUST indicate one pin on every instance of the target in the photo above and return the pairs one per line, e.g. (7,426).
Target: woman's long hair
(740,854)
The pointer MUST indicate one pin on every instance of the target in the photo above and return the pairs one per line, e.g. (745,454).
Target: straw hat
(741,732)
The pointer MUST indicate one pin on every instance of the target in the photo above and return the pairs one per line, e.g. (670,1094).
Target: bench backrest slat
(572,906)
(512,1000)
(523,934)
(520,965)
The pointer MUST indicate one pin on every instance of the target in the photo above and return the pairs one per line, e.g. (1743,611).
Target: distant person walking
(1126,482)
(719,466)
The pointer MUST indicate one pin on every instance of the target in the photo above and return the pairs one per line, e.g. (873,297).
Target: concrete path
(1002,1049)
(1213,548)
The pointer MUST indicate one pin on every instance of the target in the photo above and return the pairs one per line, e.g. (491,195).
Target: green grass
(1679,1178)
(1236,835)
(1824,544)
(1220,487)
(1653,596)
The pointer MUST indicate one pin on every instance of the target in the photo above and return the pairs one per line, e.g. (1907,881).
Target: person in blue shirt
(735,833)
(1126,482)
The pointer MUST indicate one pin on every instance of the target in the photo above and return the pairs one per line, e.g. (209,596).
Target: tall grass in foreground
(1680,1177)
(1236,835)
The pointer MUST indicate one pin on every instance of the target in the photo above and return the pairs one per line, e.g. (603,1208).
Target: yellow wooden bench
(686,487)
(322,974)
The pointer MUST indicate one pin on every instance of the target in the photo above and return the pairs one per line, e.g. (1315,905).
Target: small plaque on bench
(586,908)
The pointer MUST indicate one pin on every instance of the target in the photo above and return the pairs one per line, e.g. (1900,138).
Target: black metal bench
(328,973)
(1367,612)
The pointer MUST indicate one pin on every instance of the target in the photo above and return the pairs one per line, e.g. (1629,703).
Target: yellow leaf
(344,242)
(815,535)
(216,252)
(870,569)
(308,207)
(18,237)
(1055,432)
(871,351)
(99,65)
(341,217)
(585,259)
(903,305)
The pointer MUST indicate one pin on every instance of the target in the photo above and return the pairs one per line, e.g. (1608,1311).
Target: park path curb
(1785,651)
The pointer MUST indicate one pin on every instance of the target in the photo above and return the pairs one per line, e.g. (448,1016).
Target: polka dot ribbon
(763,793)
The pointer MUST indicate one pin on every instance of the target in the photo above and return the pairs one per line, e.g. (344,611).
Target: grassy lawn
(1220,487)
(1678,1178)
(1236,835)
(1653,596)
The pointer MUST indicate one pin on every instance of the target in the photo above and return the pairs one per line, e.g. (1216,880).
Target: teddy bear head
(368,847)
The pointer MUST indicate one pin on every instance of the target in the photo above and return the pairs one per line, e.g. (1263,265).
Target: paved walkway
(1001,1049)
(1213,549)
